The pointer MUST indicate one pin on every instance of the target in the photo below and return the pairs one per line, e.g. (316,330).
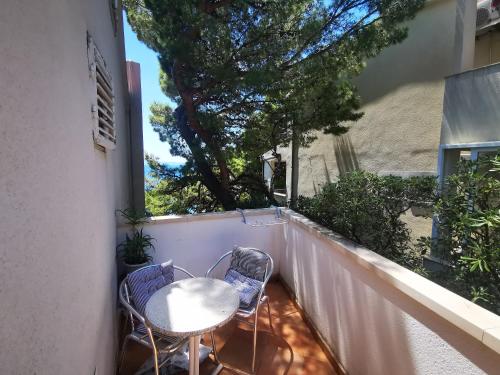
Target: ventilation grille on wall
(103,108)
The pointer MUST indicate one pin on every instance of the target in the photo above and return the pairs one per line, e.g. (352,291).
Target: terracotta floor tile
(293,329)
(280,301)
(293,350)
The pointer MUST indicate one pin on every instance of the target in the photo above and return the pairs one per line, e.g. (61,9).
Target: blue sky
(151,92)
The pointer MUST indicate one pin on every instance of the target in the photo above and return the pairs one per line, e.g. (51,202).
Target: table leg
(194,355)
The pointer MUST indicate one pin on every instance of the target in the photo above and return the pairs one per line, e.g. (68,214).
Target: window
(450,154)
(279,179)
(274,173)
(103,108)
(448,157)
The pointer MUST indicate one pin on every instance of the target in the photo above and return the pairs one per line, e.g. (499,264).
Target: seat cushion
(247,287)
(145,281)
(249,262)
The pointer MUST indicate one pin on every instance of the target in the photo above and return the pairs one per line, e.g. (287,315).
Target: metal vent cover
(103,107)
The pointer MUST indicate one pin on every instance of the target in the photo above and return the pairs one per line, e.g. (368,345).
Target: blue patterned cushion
(145,281)
(249,262)
(247,287)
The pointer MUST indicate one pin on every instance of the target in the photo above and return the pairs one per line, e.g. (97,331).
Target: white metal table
(192,307)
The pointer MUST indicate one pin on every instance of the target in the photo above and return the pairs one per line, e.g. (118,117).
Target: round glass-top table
(192,307)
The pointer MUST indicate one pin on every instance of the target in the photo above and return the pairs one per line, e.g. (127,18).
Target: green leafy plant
(136,246)
(468,240)
(367,208)
(133,217)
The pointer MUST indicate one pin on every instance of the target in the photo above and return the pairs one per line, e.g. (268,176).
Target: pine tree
(248,74)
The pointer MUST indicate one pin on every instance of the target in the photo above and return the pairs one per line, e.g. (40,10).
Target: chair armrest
(128,306)
(207,274)
(183,270)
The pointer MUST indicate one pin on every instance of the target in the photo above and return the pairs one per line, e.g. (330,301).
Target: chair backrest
(251,262)
(143,282)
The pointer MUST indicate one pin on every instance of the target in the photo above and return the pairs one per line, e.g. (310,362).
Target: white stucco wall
(196,242)
(378,317)
(58,193)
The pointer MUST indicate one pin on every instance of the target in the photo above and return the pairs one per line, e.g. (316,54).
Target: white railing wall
(378,317)
(196,242)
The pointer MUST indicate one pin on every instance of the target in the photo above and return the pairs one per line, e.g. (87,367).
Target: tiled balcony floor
(293,350)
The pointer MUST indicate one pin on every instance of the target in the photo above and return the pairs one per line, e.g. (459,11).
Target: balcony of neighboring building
(470,107)
(471,110)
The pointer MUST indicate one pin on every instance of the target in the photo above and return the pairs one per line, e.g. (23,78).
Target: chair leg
(125,325)
(214,348)
(254,355)
(155,352)
(122,353)
(269,316)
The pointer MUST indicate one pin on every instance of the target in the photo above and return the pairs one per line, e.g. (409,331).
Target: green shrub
(468,240)
(367,209)
(137,245)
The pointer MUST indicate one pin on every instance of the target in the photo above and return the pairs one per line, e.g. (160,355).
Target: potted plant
(135,250)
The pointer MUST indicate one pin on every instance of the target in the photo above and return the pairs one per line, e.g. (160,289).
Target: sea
(147,170)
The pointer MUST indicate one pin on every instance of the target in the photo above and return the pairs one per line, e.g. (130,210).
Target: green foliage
(134,249)
(245,75)
(468,217)
(367,208)
(180,190)
(133,217)
(165,198)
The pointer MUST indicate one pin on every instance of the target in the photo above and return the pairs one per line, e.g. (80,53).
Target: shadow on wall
(346,161)
(322,177)
(345,155)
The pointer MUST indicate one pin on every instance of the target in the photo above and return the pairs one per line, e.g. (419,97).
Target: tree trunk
(294,194)
(221,192)
(189,126)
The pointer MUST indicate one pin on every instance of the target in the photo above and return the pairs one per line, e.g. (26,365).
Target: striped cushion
(145,281)
(249,262)
(247,287)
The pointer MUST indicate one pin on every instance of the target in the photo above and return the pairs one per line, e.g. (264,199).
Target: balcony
(336,307)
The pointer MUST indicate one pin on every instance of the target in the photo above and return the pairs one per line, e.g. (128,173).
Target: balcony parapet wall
(379,317)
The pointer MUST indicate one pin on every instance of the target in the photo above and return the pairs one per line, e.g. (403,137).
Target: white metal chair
(258,265)
(140,331)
